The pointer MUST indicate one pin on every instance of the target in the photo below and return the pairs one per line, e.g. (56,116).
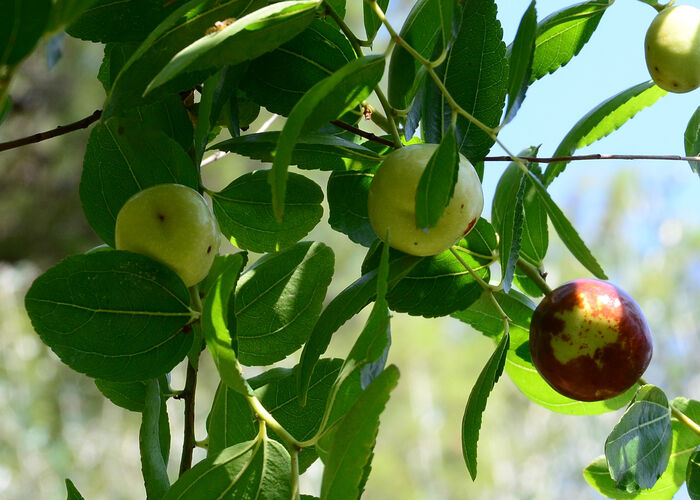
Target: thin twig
(189,442)
(367,135)
(60,130)
(555,159)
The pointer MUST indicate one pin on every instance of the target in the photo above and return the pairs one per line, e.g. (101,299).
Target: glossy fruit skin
(392,199)
(672,49)
(589,340)
(173,224)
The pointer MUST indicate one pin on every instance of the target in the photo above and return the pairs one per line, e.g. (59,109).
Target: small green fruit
(589,340)
(392,202)
(672,48)
(172,224)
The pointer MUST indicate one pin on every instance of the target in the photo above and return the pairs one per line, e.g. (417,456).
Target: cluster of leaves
(126,320)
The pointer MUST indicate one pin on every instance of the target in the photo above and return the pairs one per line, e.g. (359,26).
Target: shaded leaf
(602,121)
(128,395)
(693,476)
(372,22)
(244,211)
(347,202)
(66,11)
(72,491)
(112,315)
(476,404)
(22,25)
(563,34)
(692,140)
(437,183)
(153,466)
(278,301)
(639,446)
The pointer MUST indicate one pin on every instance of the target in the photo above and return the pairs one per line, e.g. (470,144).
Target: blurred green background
(640,220)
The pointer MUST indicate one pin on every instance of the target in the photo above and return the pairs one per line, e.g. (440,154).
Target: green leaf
(255,469)
(483,316)
(639,446)
(339,310)
(602,120)
(351,450)
(471,422)
(448,12)
(693,476)
(437,183)
(327,100)
(153,466)
(523,373)
(128,395)
(244,211)
(563,34)
(121,20)
(312,151)
(66,11)
(72,491)
(278,79)
(22,25)
(123,157)
(347,203)
(219,334)
(244,39)
(372,22)
(692,140)
(507,215)
(278,301)
(520,56)
(231,420)
(476,75)
(112,315)
(440,285)
(181,28)
(421,30)
(566,231)
(683,444)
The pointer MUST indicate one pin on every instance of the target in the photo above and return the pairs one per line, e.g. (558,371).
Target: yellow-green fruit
(672,49)
(173,224)
(392,202)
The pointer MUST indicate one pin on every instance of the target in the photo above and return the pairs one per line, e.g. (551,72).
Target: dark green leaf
(421,30)
(639,446)
(185,25)
(112,315)
(73,493)
(278,301)
(122,158)
(483,316)
(243,40)
(219,334)
(563,34)
(338,6)
(601,121)
(566,231)
(693,476)
(326,101)
(343,307)
(523,373)
(347,203)
(437,183)
(278,79)
(507,215)
(692,140)
(65,11)
(448,12)
(471,422)
(244,211)
(22,24)
(312,151)
(255,469)
(351,450)
(476,75)
(121,20)
(520,57)
(127,395)
(372,22)
(153,467)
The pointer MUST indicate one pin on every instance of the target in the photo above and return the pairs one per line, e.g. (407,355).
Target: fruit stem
(685,420)
(534,274)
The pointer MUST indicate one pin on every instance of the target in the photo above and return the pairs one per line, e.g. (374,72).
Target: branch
(60,130)
(188,441)
(595,157)
(367,135)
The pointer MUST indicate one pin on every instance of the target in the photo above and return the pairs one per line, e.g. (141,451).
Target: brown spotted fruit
(589,340)
(392,202)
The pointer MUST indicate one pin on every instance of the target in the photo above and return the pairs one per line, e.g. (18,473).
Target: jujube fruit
(392,202)
(589,340)
(172,224)
(672,49)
